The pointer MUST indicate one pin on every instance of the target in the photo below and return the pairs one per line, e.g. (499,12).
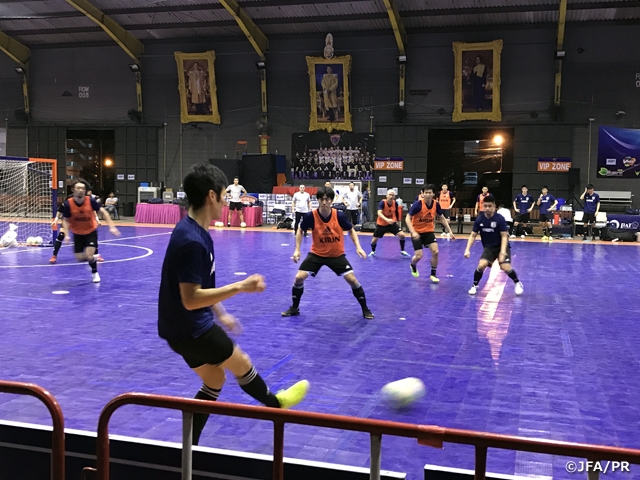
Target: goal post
(28,197)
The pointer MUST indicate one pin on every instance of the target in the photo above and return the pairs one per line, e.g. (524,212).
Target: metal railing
(433,436)
(57,435)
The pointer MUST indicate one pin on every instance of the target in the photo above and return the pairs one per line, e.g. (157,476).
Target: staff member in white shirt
(235,191)
(301,205)
(352,200)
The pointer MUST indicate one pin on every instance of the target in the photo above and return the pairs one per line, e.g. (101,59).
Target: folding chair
(276,215)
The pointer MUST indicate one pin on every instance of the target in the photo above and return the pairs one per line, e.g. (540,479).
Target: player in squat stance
(327,248)
(421,223)
(494,233)
(388,221)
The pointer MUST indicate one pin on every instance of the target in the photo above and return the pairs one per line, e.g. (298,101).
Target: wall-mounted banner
(419,181)
(388,163)
(120,176)
(131,176)
(554,165)
(406,181)
(618,152)
(382,179)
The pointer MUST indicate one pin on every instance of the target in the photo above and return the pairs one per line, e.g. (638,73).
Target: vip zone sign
(388,163)
(557,165)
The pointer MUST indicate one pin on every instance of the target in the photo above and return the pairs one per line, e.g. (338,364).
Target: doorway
(89,155)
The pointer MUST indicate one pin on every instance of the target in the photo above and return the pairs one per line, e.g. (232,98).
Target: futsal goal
(28,197)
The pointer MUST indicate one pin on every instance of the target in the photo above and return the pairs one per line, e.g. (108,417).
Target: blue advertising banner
(618,153)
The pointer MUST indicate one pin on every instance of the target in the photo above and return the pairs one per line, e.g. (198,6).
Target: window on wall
(467,159)
(90,156)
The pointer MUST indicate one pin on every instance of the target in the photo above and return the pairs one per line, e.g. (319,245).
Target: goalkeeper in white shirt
(235,191)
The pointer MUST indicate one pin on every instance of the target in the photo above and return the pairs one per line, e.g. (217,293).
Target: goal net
(27,197)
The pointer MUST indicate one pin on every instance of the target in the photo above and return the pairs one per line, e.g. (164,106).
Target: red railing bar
(426,434)
(57,435)
(481,462)
(278,450)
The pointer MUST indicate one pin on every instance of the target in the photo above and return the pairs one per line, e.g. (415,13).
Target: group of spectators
(333,162)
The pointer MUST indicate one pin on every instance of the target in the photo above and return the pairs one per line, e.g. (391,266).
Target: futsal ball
(37,241)
(31,241)
(219,224)
(243,224)
(403,393)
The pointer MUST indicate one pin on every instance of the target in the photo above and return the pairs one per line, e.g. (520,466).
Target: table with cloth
(170,214)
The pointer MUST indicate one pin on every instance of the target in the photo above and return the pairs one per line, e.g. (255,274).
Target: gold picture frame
(477,81)
(197,87)
(329,93)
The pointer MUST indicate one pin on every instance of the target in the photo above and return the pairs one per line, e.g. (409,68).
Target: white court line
(148,250)
(34,249)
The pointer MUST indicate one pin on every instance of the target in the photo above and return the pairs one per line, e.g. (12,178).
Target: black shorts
(490,254)
(523,217)
(211,348)
(235,206)
(589,218)
(80,242)
(446,213)
(546,217)
(380,230)
(425,239)
(313,263)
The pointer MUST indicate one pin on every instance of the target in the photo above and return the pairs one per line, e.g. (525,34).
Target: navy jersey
(591,202)
(189,259)
(308,223)
(66,209)
(546,201)
(490,229)
(523,202)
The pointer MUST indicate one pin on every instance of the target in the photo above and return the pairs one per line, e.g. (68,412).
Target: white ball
(403,393)
(37,240)
(243,224)
(31,241)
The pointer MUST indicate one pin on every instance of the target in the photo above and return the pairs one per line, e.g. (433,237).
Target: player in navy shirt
(493,230)
(522,204)
(547,204)
(188,300)
(591,209)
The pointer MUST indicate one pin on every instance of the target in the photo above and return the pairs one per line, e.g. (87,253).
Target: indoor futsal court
(560,362)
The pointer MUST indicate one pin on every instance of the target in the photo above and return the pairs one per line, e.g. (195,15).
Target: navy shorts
(490,254)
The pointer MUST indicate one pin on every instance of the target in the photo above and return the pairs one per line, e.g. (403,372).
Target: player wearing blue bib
(494,234)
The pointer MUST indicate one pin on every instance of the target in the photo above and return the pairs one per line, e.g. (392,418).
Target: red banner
(555,165)
(388,164)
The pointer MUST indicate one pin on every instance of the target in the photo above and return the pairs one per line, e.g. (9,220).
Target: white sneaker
(95,277)
(512,236)
(519,288)
(372,253)
(521,236)
(443,234)
(473,290)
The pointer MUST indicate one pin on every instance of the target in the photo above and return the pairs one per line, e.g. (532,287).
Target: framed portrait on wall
(197,86)
(477,81)
(329,93)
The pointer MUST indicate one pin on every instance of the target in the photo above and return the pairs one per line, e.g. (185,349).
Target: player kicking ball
(494,234)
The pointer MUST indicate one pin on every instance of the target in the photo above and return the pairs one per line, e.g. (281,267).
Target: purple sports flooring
(560,362)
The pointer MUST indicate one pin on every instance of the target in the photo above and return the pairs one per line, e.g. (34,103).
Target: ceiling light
(134,67)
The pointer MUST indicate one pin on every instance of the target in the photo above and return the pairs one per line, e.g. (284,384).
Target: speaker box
(574,177)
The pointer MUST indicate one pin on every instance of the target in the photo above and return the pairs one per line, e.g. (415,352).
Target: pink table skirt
(165,213)
(252,216)
(170,214)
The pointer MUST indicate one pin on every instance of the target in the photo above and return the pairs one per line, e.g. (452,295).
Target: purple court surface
(560,362)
